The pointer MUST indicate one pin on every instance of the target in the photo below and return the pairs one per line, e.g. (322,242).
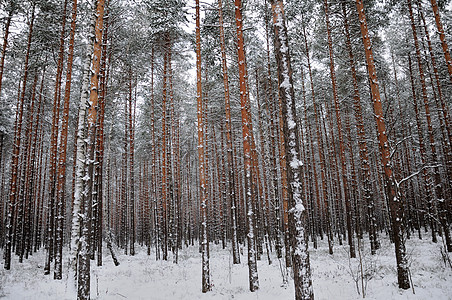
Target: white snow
(141,277)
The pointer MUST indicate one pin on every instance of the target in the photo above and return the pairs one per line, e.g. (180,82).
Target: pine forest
(226,149)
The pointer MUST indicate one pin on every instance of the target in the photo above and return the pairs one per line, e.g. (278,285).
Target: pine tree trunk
(229,138)
(425,183)
(5,44)
(201,156)
(80,260)
(348,208)
(61,179)
(14,188)
(363,149)
(442,37)
(125,185)
(100,140)
(284,182)
(28,176)
(311,167)
(321,154)
(52,234)
(132,173)
(309,178)
(436,176)
(298,213)
(396,209)
(274,117)
(154,162)
(264,156)
(246,133)
(164,161)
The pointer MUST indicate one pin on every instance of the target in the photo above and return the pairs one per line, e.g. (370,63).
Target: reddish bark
(396,209)
(201,156)
(246,135)
(442,37)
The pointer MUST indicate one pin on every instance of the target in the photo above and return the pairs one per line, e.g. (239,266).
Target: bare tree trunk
(201,156)
(298,213)
(154,162)
(436,176)
(348,208)
(442,37)
(80,260)
(246,125)
(363,149)
(312,167)
(396,209)
(100,141)
(229,138)
(63,150)
(164,161)
(5,41)
(266,187)
(275,146)
(52,234)
(16,151)
(132,173)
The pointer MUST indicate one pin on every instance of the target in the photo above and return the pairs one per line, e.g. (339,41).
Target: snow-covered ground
(141,277)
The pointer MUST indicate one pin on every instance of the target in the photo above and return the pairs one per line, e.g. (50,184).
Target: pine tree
(201,156)
(16,152)
(300,254)
(246,134)
(442,37)
(391,187)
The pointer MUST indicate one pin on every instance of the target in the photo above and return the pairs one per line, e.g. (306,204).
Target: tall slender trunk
(61,178)
(274,117)
(154,162)
(396,209)
(91,118)
(363,149)
(304,156)
(38,145)
(164,160)
(52,234)
(442,37)
(298,213)
(2,65)
(5,44)
(312,167)
(309,178)
(439,194)
(321,153)
(27,180)
(426,184)
(231,166)
(16,151)
(80,259)
(132,173)
(201,156)
(266,187)
(284,181)
(124,231)
(246,134)
(348,208)
(100,141)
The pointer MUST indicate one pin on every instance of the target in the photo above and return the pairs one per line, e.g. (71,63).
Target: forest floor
(334,276)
